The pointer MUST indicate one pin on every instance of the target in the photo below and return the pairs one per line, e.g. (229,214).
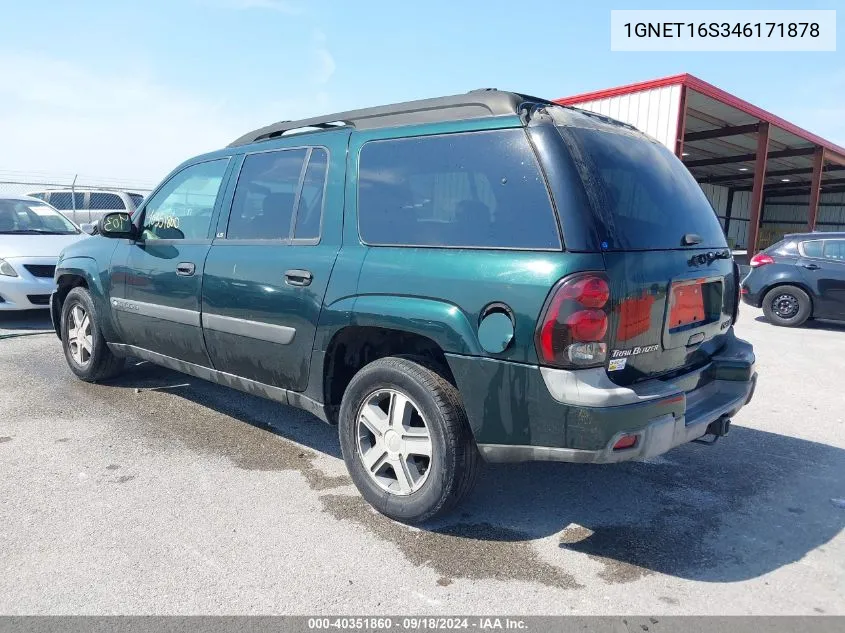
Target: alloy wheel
(394,442)
(79,335)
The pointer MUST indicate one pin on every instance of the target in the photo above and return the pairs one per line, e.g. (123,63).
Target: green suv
(487,276)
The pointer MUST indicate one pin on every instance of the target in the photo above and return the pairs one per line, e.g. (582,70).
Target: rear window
(265,196)
(643,196)
(474,190)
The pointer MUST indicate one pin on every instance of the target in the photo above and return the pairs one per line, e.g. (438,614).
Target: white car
(89,205)
(32,234)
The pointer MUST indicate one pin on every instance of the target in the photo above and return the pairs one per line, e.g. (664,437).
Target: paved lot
(164,494)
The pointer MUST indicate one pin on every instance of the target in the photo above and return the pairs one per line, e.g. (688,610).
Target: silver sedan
(32,234)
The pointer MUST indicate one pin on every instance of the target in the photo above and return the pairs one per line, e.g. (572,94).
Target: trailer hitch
(717,428)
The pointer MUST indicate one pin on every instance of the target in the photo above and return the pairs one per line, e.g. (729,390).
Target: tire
(87,355)
(788,306)
(427,489)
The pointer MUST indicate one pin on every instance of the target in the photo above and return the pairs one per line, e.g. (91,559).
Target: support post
(682,123)
(73,197)
(729,211)
(757,190)
(815,188)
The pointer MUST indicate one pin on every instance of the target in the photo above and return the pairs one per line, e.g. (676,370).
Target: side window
(477,189)
(182,208)
(834,249)
(101,201)
(60,200)
(812,249)
(262,208)
(63,202)
(309,212)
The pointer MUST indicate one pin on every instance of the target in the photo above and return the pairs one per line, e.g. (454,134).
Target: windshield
(641,193)
(31,217)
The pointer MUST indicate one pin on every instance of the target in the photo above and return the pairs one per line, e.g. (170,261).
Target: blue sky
(118,89)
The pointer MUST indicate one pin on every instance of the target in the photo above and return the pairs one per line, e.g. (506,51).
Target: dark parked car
(801,277)
(486,275)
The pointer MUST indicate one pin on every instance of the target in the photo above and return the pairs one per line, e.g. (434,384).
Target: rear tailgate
(672,280)
(671,310)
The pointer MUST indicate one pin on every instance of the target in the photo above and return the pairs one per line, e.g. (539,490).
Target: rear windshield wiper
(691,239)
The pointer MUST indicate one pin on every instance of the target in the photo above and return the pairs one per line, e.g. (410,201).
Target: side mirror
(89,227)
(117,225)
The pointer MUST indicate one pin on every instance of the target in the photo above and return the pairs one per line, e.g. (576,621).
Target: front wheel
(406,440)
(787,305)
(85,349)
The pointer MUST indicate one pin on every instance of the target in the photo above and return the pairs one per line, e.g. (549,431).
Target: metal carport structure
(763,175)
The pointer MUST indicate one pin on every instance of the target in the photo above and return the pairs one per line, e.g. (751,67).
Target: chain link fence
(81,198)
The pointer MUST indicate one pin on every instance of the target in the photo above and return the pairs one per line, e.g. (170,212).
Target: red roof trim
(694,83)
(623,90)
(740,104)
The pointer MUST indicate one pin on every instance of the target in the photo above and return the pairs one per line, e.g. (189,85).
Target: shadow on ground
(25,320)
(754,502)
(812,324)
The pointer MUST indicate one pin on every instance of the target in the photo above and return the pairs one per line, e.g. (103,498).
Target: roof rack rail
(476,104)
(313,126)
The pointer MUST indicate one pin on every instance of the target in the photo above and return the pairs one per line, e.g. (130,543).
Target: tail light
(573,326)
(761,259)
(739,288)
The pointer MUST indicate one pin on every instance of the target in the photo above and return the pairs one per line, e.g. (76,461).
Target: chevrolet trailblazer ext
(482,276)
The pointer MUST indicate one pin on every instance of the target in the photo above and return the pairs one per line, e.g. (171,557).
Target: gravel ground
(160,493)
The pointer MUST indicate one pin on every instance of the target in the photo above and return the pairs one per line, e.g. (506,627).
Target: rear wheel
(85,349)
(787,305)
(406,440)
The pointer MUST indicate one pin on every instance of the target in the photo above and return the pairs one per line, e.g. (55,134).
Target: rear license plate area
(694,303)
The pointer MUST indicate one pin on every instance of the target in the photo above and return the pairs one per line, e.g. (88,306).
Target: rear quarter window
(784,248)
(474,190)
(812,248)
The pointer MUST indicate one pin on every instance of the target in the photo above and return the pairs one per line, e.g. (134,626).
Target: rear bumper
(751,298)
(591,413)
(657,437)
(752,288)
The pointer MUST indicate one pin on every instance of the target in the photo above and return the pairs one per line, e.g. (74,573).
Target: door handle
(811,266)
(297,277)
(185,269)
